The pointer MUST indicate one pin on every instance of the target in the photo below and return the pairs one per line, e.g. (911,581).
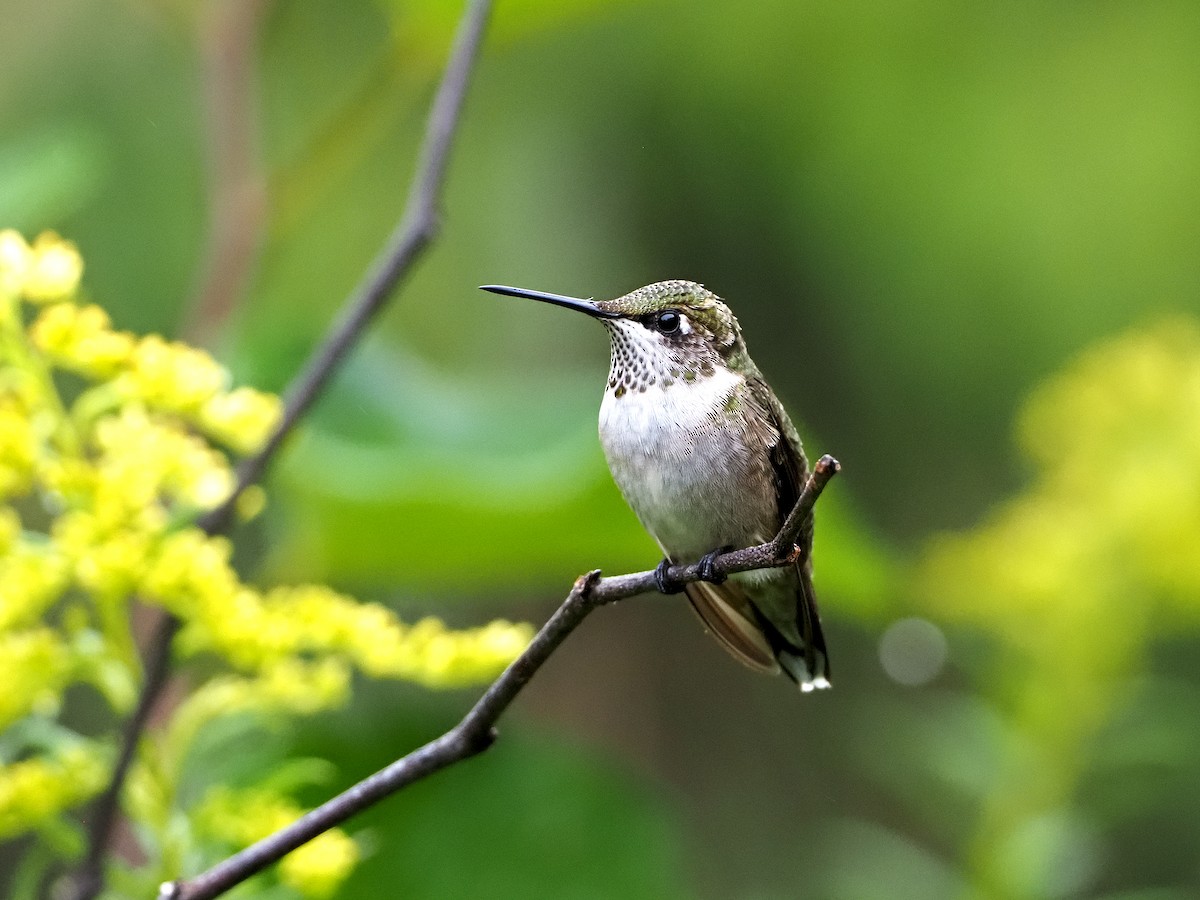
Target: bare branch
(416,228)
(476,732)
(89,880)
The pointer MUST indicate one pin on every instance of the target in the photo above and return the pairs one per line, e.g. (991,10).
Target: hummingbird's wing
(795,644)
(807,664)
(782,442)
(726,611)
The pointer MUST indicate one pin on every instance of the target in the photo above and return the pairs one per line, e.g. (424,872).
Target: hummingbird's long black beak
(584,306)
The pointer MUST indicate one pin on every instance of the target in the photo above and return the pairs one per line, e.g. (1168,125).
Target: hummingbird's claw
(708,563)
(666,584)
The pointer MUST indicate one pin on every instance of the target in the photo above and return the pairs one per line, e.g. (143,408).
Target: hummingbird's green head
(661,334)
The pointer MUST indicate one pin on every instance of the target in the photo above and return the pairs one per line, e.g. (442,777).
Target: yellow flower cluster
(1072,573)
(192,576)
(122,462)
(34,791)
(48,270)
(80,339)
(429,653)
(1118,436)
(127,458)
(111,444)
(33,574)
(316,869)
(19,441)
(37,666)
(164,376)
(1114,513)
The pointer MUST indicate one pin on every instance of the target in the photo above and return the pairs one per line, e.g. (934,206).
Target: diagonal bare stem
(476,732)
(416,229)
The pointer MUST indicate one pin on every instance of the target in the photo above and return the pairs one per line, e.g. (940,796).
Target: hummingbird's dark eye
(667,321)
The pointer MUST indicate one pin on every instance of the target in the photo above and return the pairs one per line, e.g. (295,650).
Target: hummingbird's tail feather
(796,668)
(807,665)
(728,614)
(754,640)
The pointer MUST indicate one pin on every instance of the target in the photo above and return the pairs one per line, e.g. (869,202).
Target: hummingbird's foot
(707,564)
(666,584)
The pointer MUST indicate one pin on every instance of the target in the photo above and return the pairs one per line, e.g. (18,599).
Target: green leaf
(47,174)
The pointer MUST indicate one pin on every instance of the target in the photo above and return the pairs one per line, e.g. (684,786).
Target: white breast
(658,415)
(678,459)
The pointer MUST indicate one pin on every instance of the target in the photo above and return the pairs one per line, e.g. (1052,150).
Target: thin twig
(476,732)
(89,879)
(416,228)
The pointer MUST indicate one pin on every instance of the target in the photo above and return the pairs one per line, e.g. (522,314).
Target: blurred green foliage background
(921,211)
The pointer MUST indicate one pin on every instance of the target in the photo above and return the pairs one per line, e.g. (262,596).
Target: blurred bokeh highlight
(962,243)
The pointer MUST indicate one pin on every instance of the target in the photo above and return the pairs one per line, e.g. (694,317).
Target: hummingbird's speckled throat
(637,365)
(708,459)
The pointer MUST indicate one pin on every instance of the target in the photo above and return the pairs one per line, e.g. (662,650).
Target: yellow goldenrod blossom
(68,483)
(80,339)
(254,630)
(319,867)
(316,869)
(37,665)
(167,376)
(32,576)
(1118,436)
(432,654)
(55,268)
(242,418)
(104,561)
(97,486)
(1116,439)
(313,618)
(174,376)
(18,446)
(143,458)
(189,573)
(35,790)
(48,270)
(1072,573)
(15,260)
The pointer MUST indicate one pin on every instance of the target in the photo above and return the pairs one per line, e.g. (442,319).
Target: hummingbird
(706,456)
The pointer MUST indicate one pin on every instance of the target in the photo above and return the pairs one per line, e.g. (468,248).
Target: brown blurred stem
(476,732)
(237,202)
(416,229)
